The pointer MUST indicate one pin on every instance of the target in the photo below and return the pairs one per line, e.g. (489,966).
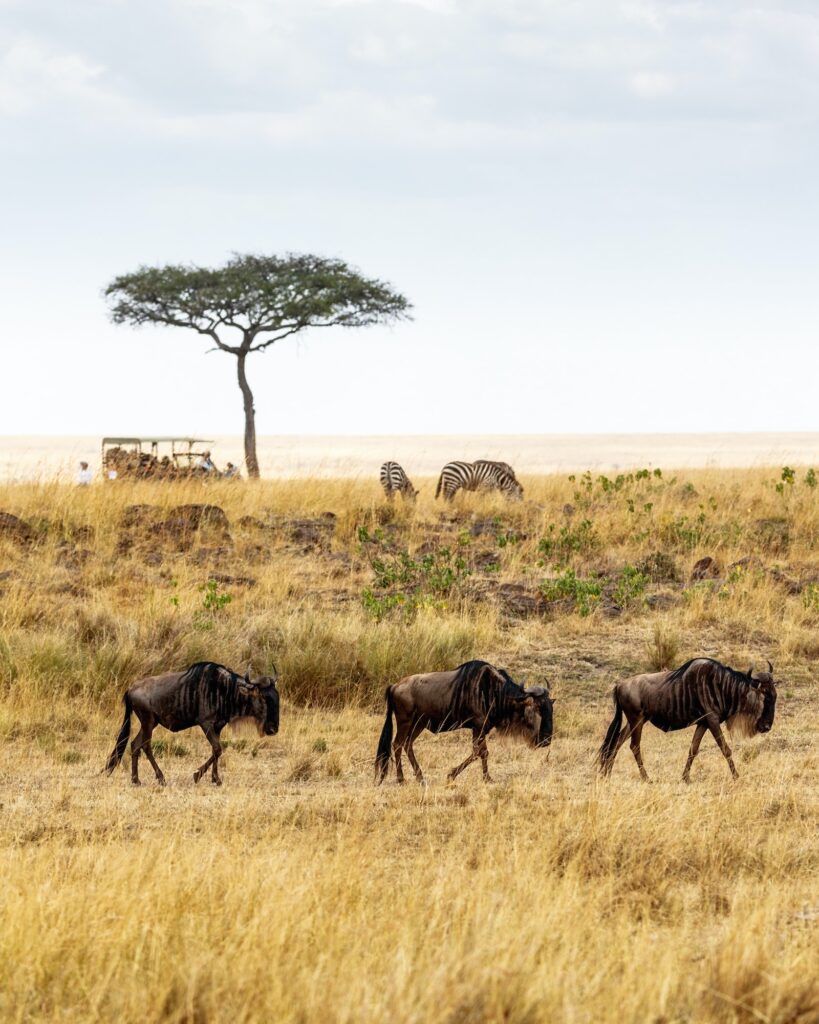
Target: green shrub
(584,593)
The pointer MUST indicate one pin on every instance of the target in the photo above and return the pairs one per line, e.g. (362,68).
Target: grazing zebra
(470,476)
(393,478)
(501,465)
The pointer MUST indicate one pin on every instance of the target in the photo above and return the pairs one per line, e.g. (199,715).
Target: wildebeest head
(536,721)
(264,701)
(757,703)
(763,686)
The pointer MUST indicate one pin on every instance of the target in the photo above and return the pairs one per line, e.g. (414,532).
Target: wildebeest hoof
(135,782)
(216,782)
(197,776)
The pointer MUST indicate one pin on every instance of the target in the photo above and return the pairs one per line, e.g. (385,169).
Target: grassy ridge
(300,892)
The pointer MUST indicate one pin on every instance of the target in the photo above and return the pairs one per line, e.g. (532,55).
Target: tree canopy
(252,302)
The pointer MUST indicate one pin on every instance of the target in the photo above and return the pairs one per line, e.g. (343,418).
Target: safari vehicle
(155,458)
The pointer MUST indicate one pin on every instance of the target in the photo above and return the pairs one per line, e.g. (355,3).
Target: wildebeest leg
(217,753)
(397,746)
(150,755)
(477,742)
(699,732)
(484,752)
(216,747)
(625,732)
(412,736)
(142,739)
(636,734)
(719,739)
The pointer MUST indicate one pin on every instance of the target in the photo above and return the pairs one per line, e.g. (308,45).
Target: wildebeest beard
(746,720)
(757,711)
(529,724)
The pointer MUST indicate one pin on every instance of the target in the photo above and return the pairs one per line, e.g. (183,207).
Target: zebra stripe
(394,479)
(470,476)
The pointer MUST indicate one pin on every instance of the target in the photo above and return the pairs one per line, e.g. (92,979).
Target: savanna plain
(299,891)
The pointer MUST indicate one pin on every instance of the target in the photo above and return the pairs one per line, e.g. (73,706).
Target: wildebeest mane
(492,687)
(217,678)
(730,673)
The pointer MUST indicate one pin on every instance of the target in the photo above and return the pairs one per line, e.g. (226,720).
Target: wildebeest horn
(770,668)
(751,672)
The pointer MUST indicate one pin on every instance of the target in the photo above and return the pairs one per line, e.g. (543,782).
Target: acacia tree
(251,303)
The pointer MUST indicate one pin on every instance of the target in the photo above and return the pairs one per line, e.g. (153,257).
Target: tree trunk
(251,462)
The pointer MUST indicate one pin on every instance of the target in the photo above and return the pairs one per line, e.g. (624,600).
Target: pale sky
(604,213)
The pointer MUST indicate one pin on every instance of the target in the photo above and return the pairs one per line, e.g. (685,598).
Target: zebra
(501,465)
(393,478)
(470,476)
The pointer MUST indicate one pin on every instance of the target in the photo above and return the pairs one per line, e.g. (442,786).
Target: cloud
(31,75)
(651,84)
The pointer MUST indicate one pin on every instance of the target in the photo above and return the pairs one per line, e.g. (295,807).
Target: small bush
(630,587)
(584,593)
(410,583)
(663,648)
(568,540)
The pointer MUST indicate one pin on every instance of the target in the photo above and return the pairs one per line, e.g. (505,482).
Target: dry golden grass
(300,892)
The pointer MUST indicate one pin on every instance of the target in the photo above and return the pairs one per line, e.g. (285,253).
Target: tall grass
(298,891)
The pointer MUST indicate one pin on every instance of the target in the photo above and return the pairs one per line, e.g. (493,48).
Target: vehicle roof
(154,439)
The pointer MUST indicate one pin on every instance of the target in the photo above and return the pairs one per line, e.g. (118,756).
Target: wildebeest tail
(609,748)
(122,739)
(382,755)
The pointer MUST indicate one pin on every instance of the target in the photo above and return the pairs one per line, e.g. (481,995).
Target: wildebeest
(702,692)
(395,481)
(475,696)
(480,475)
(206,694)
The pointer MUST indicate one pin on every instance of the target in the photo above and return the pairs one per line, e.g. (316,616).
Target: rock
(136,515)
(483,560)
(791,585)
(73,559)
(195,517)
(514,599)
(202,556)
(310,533)
(15,529)
(252,523)
(706,569)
